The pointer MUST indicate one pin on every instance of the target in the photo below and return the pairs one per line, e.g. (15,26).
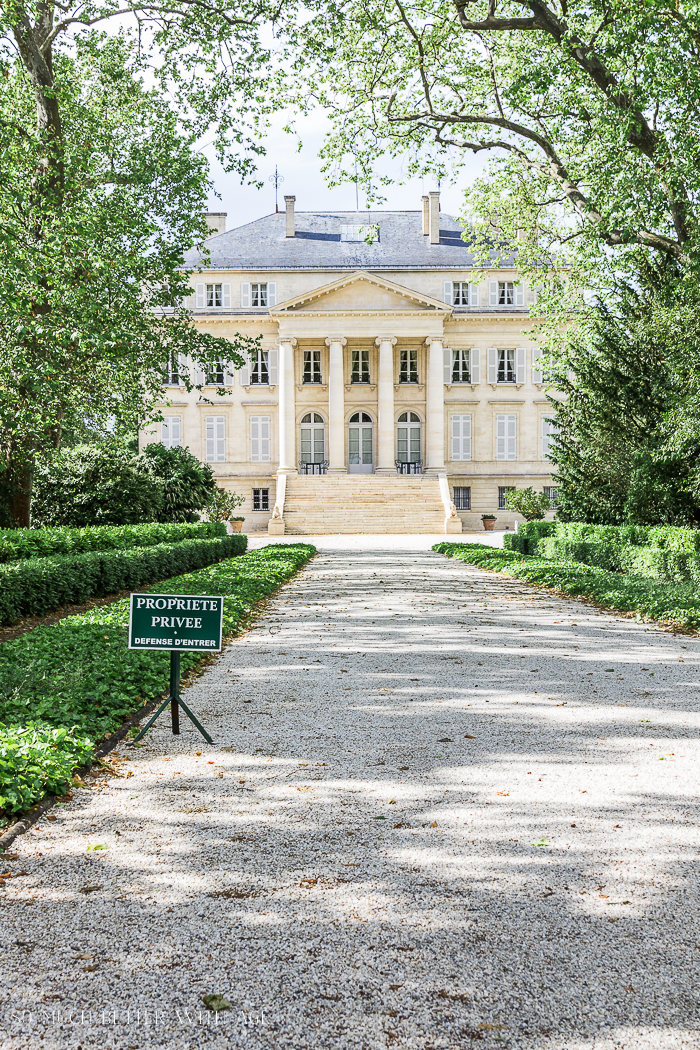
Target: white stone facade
(419,364)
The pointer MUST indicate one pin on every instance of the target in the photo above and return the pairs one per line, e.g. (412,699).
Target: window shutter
(272,366)
(264,439)
(175,431)
(215,439)
(198,376)
(254,439)
(226,296)
(461,437)
(548,428)
(492,365)
(501,437)
(475,365)
(229,378)
(493,293)
(456,437)
(473,294)
(519,295)
(244,375)
(466,437)
(537,376)
(448,293)
(520,365)
(447,358)
(511,435)
(245,293)
(271,293)
(182,368)
(200,297)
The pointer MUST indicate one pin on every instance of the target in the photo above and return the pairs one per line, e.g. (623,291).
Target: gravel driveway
(381,850)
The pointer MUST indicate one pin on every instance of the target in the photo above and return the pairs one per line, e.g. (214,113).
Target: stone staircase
(357,503)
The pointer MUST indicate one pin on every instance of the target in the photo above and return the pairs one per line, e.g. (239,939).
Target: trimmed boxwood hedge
(79,676)
(41,543)
(37,586)
(673,604)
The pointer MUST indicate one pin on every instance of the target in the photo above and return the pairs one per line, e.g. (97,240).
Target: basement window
(261,499)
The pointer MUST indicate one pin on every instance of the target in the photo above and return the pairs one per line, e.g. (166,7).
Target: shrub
(40,543)
(80,673)
(529,534)
(185,484)
(37,586)
(530,504)
(222,504)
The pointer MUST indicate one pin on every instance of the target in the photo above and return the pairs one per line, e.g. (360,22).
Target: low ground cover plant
(79,676)
(16,544)
(37,586)
(673,604)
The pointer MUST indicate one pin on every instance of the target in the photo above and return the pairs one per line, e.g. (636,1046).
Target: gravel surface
(380,850)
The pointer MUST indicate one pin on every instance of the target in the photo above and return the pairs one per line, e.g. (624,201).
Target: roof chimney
(289,205)
(216,222)
(434,216)
(426,215)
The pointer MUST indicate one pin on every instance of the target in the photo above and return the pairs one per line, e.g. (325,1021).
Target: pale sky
(303,178)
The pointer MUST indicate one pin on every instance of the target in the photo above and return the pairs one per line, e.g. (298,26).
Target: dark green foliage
(40,543)
(674,604)
(628,444)
(79,672)
(106,484)
(36,586)
(528,535)
(185,485)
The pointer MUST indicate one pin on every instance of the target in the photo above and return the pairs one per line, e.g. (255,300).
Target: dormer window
(215,295)
(369,233)
(258,294)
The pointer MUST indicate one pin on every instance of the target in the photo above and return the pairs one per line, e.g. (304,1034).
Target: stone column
(336,405)
(385,462)
(287,443)
(435,436)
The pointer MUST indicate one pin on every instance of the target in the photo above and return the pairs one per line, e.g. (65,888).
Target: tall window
(552,495)
(215,295)
(506,366)
(261,499)
(215,439)
(461,366)
(171,431)
(260,439)
(408,366)
(506,293)
(216,374)
(408,438)
(258,294)
(461,437)
(506,436)
(312,366)
(462,497)
(548,430)
(503,491)
(173,376)
(259,371)
(360,366)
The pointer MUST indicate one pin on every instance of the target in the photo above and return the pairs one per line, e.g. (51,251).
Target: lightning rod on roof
(276,179)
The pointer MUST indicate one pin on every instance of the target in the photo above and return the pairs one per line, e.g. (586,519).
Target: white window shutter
(448,293)
(244,375)
(245,293)
(548,428)
(456,437)
(220,439)
(466,437)
(520,365)
(537,376)
(493,293)
(201,301)
(175,431)
(447,358)
(461,437)
(198,376)
(501,437)
(272,293)
(511,437)
(475,365)
(473,294)
(519,295)
(254,439)
(182,368)
(226,296)
(272,356)
(264,439)
(492,353)
(229,378)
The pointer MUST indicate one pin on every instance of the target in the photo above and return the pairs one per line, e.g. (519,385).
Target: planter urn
(236,526)
(488,523)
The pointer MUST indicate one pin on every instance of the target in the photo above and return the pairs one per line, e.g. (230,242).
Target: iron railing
(313,468)
(409,468)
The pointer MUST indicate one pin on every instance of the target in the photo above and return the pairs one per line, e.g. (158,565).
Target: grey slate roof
(262,245)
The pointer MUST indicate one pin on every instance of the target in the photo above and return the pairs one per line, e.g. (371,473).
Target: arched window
(312,445)
(312,417)
(360,417)
(360,444)
(408,438)
(409,417)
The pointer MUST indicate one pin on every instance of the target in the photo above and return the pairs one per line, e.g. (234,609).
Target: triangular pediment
(361,292)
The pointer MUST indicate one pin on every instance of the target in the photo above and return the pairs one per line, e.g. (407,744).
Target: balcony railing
(314,468)
(409,468)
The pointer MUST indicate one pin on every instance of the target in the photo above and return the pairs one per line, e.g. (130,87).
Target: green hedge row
(16,544)
(673,604)
(37,586)
(79,676)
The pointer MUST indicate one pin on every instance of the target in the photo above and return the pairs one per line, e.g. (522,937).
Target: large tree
(102,192)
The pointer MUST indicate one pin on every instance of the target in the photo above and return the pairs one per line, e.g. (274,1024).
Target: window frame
(260,367)
(408,366)
(261,496)
(502,492)
(465,419)
(461,364)
(264,451)
(312,368)
(460,500)
(169,442)
(507,419)
(217,456)
(362,358)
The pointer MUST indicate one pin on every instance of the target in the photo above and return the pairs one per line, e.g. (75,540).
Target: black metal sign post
(175,622)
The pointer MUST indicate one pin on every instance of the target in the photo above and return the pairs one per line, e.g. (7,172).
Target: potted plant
(222,505)
(489,520)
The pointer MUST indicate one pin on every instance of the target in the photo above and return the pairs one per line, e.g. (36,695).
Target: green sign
(175,621)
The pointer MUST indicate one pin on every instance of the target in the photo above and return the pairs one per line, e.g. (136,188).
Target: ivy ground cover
(64,687)
(672,604)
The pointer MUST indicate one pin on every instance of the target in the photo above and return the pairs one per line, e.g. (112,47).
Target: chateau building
(395,388)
